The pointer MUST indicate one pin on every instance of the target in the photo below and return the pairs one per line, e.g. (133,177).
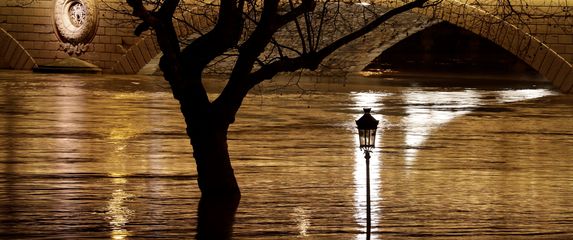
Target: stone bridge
(36,32)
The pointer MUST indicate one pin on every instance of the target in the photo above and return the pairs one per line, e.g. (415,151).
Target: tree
(249,29)
(251,34)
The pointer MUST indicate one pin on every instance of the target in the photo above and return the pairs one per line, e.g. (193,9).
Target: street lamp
(367,126)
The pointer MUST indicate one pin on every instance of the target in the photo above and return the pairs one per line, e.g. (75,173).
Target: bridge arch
(12,53)
(137,56)
(525,46)
(518,42)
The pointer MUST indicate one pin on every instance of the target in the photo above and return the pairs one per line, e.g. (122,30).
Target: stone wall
(550,21)
(29,36)
(31,23)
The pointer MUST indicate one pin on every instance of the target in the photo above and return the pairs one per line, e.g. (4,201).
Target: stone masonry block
(105,39)
(40,19)
(52,45)
(41,12)
(48,37)
(144,51)
(29,64)
(107,65)
(15,58)
(115,40)
(493,31)
(27,44)
(110,48)
(44,4)
(98,47)
(521,46)
(116,68)
(551,39)
(565,68)
(126,68)
(566,39)
(47,54)
(484,29)
(132,62)
(500,34)
(89,56)
(557,48)
(138,57)
(529,51)
(150,46)
(568,49)
(550,58)
(43,61)
(554,69)
(567,82)
(460,14)
(24,19)
(568,57)
(21,60)
(539,57)
(29,36)
(35,53)
(102,56)
(60,55)
(43,28)
(469,23)
(4,43)
(155,45)
(115,56)
(12,19)
(5,10)
(21,28)
(511,40)
(10,51)
(110,31)
(100,31)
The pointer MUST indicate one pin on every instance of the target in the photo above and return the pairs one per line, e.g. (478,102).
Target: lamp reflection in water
(367,126)
(362,171)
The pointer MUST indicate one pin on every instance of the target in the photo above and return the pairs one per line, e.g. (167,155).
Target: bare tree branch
(312,60)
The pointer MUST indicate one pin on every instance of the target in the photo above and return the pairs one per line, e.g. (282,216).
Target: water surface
(106,157)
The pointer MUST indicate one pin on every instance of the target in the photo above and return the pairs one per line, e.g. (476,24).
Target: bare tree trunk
(216,177)
(220,192)
(207,127)
(216,217)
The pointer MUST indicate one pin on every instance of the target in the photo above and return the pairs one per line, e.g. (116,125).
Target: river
(106,157)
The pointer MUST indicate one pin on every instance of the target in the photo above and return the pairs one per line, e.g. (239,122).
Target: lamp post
(367,126)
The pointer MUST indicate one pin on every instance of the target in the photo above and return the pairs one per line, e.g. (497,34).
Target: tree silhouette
(250,34)
(244,30)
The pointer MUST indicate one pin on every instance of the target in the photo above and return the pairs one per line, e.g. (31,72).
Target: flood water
(106,157)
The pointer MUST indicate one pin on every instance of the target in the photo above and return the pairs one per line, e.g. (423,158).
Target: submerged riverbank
(99,156)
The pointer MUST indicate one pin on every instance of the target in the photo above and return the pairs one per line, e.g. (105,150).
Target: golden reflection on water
(302,220)
(368,100)
(120,136)
(117,213)
(428,110)
(97,158)
(513,95)
(425,112)
(70,100)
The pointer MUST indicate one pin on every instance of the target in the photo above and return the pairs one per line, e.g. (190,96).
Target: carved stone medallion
(75,23)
